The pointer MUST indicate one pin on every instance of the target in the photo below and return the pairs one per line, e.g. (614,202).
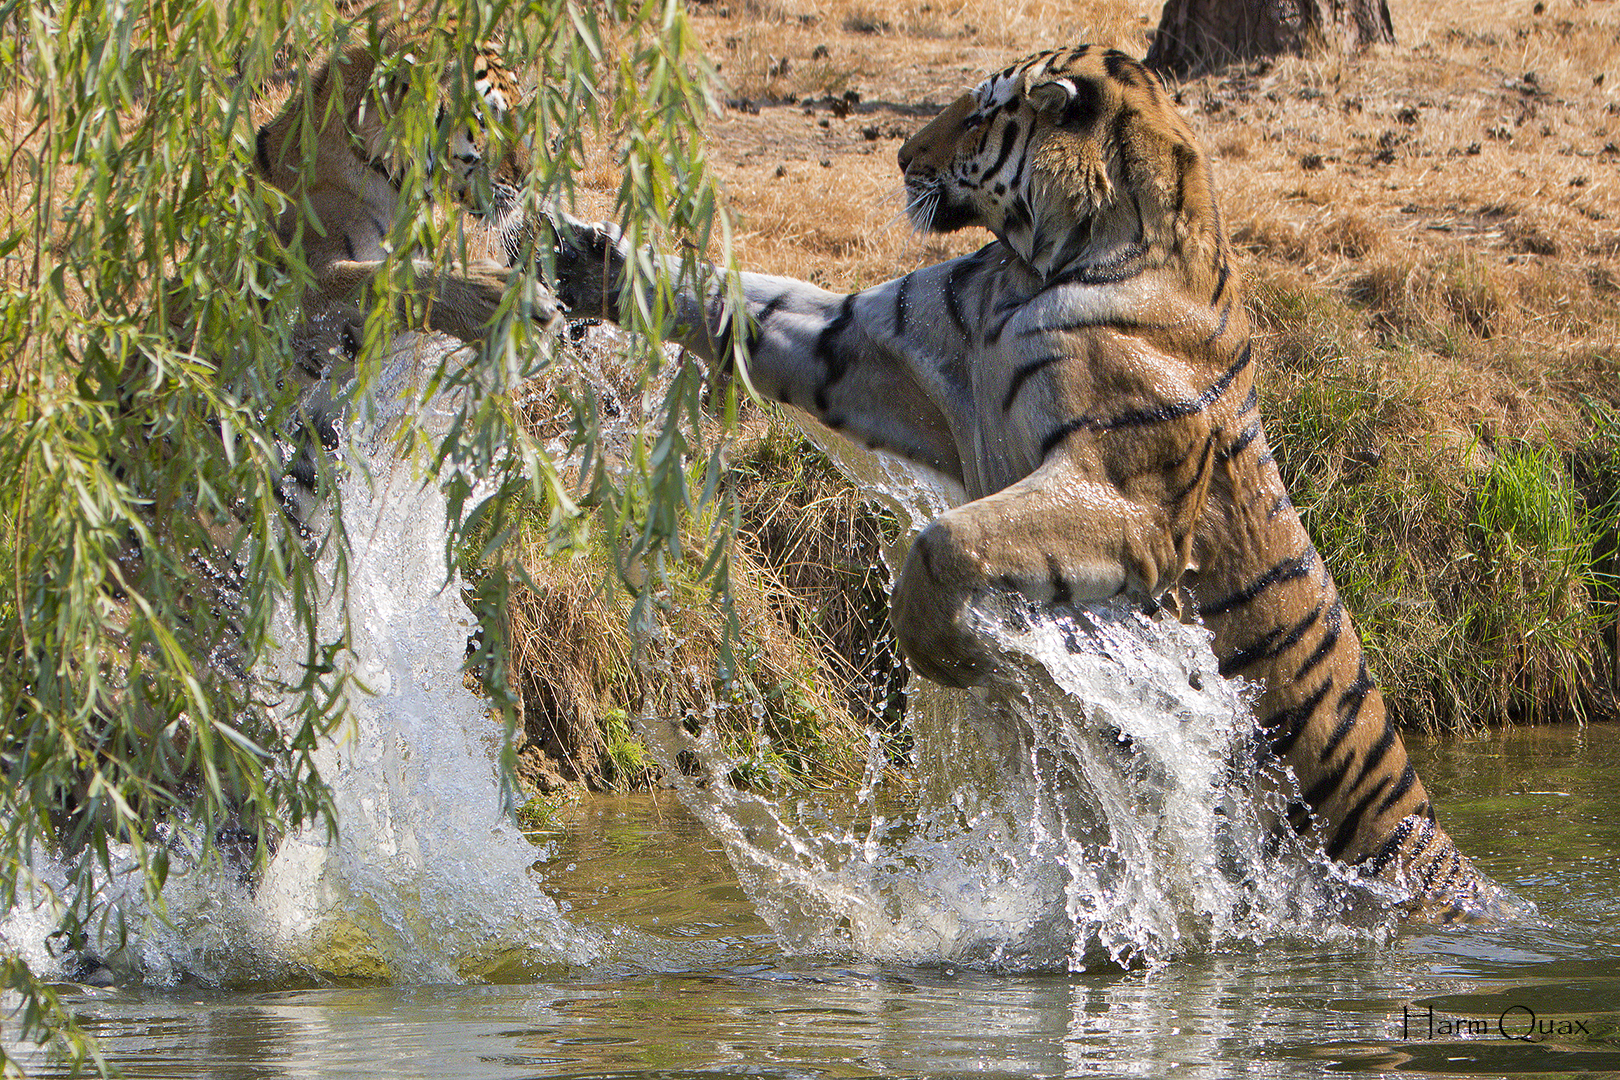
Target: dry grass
(814,667)
(1459,192)
(1432,240)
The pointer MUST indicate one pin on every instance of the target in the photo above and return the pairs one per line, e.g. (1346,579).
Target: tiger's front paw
(585,258)
(932,615)
(489,282)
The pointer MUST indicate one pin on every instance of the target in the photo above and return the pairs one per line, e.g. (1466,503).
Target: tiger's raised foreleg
(1119,513)
(1059,536)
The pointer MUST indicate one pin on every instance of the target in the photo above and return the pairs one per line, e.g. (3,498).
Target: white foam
(1100,798)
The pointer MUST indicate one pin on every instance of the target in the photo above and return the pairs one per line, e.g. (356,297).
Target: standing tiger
(1088,378)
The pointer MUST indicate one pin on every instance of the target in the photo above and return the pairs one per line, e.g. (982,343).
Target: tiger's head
(481,165)
(1073,158)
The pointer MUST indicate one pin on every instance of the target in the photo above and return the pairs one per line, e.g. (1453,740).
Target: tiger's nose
(909,152)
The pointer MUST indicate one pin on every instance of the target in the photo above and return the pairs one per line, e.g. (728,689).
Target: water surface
(692,984)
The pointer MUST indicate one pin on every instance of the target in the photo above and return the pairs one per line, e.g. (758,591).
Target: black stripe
(1250,403)
(1061,593)
(1352,822)
(1278,505)
(1346,724)
(1402,786)
(1289,724)
(1226,313)
(1375,757)
(348,244)
(831,356)
(1425,837)
(1349,708)
(1241,443)
(1122,138)
(1330,638)
(1328,783)
(1082,324)
(1186,161)
(1141,417)
(1023,373)
(1289,569)
(1009,140)
(1122,67)
(1374,864)
(1456,866)
(1220,282)
(1428,875)
(1269,647)
(1206,458)
(756,332)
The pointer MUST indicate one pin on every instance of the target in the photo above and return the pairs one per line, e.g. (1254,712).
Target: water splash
(428,880)
(1100,798)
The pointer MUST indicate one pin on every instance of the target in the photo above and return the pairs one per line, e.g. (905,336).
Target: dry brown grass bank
(815,666)
(1432,241)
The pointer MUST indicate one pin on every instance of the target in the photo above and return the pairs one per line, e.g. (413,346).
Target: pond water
(692,984)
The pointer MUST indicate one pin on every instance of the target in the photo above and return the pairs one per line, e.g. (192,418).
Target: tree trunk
(1198,35)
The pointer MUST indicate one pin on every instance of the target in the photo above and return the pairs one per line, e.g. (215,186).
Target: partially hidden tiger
(335,152)
(340,164)
(1088,379)
(332,152)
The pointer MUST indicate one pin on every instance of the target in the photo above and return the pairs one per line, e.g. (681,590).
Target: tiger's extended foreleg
(837,356)
(461,301)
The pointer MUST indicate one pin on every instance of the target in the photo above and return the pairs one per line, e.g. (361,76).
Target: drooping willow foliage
(146,316)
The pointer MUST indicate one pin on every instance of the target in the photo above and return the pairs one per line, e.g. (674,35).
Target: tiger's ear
(1071,102)
(1050,95)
